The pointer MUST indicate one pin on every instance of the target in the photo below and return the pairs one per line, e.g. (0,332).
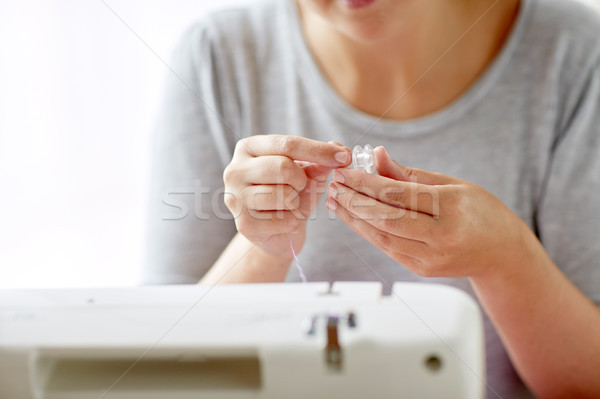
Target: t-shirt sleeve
(188,225)
(568,214)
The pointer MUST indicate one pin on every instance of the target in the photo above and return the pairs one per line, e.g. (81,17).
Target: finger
(387,167)
(397,221)
(411,196)
(298,148)
(317,172)
(389,243)
(338,144)
(271,197)
(273,170)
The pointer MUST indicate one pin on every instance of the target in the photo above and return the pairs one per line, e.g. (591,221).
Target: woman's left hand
(435,225)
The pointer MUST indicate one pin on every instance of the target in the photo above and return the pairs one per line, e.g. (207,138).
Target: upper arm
(188,224)
(568,213)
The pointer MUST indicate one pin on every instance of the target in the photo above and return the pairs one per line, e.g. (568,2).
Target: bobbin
(363,159)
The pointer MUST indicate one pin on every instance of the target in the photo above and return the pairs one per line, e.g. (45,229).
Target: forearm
(244,262)
(551,330)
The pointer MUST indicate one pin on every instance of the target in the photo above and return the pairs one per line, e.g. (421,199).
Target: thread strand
(296,261)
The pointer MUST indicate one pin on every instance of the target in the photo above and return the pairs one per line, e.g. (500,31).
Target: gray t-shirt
(528,131)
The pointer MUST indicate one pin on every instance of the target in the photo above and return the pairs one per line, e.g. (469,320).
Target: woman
(501,99)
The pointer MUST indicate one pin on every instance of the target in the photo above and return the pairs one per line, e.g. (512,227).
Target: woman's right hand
(273,184)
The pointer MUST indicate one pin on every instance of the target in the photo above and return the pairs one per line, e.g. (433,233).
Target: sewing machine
(314,340)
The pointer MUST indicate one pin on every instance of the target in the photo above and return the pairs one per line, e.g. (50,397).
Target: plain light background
(80,83)
(78,98)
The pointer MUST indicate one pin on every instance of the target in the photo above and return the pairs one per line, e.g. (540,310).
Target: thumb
(387,167)
(319,172)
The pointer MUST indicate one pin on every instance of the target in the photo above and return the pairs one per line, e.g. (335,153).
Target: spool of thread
(363,159)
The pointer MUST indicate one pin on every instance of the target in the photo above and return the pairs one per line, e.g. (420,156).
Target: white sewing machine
(241,341)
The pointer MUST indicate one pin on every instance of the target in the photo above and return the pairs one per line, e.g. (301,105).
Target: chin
(366,24)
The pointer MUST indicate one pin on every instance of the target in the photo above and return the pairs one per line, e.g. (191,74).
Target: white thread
(307,165)
(297,262)
(363,159)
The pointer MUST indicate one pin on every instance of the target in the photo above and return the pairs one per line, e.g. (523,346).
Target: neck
(436,51)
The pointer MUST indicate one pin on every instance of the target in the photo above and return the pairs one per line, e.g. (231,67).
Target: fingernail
(342,157)
(338,177)
(331,204)
(332,191)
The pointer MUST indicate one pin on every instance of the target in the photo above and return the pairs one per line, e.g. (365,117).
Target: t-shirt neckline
(308,69)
